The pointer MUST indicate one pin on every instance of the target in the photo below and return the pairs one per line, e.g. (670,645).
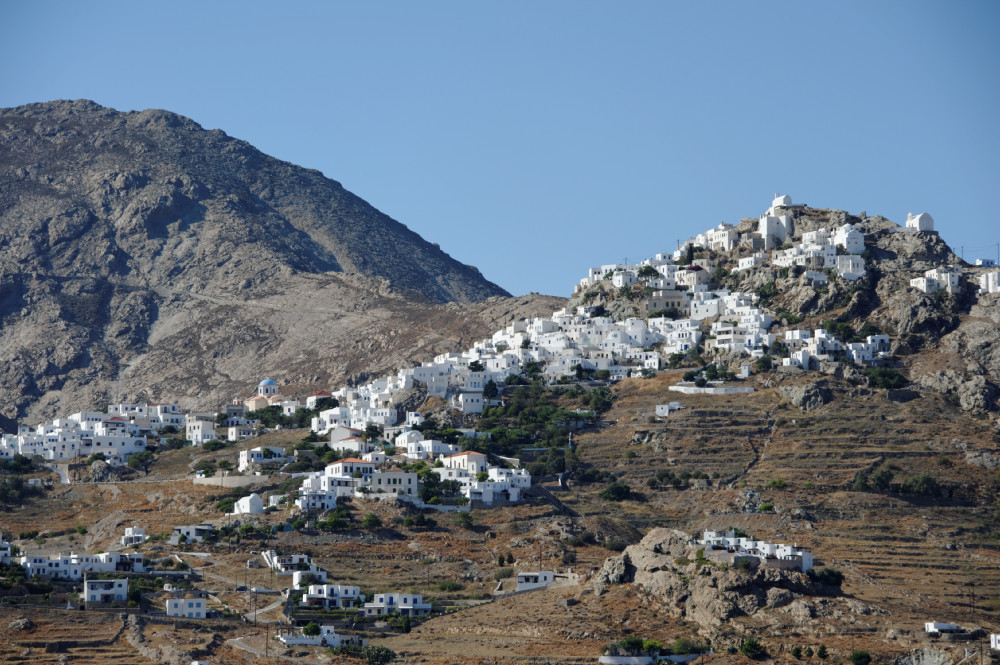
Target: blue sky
(535,139)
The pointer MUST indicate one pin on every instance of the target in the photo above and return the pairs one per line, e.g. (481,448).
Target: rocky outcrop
(807,397)
(703,592)
(974,392)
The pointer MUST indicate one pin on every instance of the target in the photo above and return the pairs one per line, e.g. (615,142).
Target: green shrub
(885,378)
(860,658)
(766,507)
(796,652)
(821,651)
(751,648)
(616,491)
(827,576)
(921,485)
(450,586)
(503,574)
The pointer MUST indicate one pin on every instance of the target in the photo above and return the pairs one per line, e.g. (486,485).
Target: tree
(371,521)
(882,479)
(377,655)
(465,520)
(482,476)
(646,272)
(921,485)
(860,658)
(373,433)
(490,390)
(616,491)
(311,629)
(476,366)
(796,652)
(821,651)
(751,648)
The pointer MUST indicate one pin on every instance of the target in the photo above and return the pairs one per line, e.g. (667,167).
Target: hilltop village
(416,438)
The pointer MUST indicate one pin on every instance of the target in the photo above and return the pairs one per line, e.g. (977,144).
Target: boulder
(807,397)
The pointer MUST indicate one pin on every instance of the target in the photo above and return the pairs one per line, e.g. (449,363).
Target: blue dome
(268,382)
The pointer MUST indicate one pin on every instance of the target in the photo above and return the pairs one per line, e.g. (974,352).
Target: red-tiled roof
(353,460)
(467,452)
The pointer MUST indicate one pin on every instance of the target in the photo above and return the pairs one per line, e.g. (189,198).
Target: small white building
(248,505)
(331,596)
(406,604)
(921,222)
(534,580)
(134,535)
(103,592)
(260,455)
(188,606)
(195,533)
(327,637)
(940,627)
(989,282)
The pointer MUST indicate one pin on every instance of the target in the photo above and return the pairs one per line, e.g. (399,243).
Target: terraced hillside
(916,555)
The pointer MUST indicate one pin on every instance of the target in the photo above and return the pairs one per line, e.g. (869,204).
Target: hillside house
(104,592)
(938,279)
(406,604)
(471,461)
(303,578)
(391,483)
(331,596)
(195,533)
(989,282)
(188,605)
(260,455)
(529,581)
(134,535)
(327,637)
(938,627)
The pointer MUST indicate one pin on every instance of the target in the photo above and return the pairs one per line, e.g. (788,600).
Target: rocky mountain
(144,256)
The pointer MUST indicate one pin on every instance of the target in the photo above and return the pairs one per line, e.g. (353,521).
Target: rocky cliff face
(143,256)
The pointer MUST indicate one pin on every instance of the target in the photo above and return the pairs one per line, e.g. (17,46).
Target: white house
(331,596)
(938,279)
(534,580)
(198,431)
(939,627)
(189,606)
(470,461)
(989,282)
(406,604)
(102,592)
(134,535)
(195,533)
(315,574)
(260,455)
(327,637)
(850,238)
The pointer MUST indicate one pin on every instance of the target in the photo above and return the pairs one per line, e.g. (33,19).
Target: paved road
(62,470)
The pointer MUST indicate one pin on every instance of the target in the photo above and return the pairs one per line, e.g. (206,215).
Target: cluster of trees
(921,484)
(13,491)
(272,416)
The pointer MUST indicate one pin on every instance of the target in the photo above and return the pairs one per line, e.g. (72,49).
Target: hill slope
(139,246)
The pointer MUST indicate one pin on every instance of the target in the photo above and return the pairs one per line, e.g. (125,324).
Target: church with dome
(267,388)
